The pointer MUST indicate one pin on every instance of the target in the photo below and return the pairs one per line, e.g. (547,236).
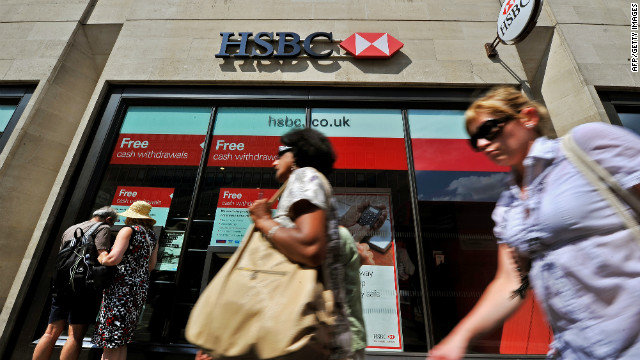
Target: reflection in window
(457,189)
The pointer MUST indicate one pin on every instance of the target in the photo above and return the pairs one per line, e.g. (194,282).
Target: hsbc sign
(288,44)
(516,19)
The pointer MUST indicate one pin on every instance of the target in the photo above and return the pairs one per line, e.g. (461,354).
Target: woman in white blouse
(583,263)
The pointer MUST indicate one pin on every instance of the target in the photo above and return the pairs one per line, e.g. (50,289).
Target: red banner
(243,198)
(370,153)
(352,152)
(157,197)
(450,155)
(158,149)
(243,151)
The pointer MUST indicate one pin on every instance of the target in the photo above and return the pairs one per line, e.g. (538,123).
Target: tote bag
(260,305)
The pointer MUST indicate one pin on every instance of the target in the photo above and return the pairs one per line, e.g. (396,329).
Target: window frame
(14,95)
(619,101)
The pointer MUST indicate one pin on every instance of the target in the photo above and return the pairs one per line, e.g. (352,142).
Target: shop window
(201,164)
(457,189)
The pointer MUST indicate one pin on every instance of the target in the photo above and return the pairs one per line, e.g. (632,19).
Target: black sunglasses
(489,130)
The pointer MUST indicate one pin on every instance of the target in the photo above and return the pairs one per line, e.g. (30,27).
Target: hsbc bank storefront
(186,112)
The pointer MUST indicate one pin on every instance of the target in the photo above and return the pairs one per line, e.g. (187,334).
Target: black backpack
(77,266)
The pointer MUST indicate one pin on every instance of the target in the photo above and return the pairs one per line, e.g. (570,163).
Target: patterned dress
(122,302)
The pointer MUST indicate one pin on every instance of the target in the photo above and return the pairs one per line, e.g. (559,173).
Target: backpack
(77,266)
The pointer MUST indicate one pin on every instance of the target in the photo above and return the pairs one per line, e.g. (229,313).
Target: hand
(366,255)
(350,218)
(260,210)
(448,349)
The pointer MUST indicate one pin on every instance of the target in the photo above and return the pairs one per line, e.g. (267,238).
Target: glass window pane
(155,159)
(244,144)
(6,111)
(457,189)
(631,121)
(371,186)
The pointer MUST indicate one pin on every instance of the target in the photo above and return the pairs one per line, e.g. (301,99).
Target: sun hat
(138,210)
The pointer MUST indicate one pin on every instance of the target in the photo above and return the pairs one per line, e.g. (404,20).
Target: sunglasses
(489,130)
(282,149)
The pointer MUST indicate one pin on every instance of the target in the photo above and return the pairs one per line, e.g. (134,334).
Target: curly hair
(310,149)
(509,101)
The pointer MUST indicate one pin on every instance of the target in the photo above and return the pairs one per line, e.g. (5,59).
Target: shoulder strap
(251,229)
(604,182)
(93,229)
(82,236)
(271,201)
(146,237)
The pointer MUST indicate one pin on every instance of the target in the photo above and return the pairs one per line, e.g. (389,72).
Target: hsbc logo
(371,45)
(288,45)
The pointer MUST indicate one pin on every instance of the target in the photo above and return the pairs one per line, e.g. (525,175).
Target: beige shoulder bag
(260,305)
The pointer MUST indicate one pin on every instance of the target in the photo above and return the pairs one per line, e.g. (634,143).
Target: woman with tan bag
(305,227)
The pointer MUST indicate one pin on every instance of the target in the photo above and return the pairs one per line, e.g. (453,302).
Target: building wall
(71,50)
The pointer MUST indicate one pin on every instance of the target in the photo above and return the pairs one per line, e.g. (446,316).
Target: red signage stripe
(158,149)
(243,151)
(370,153)
(353,153)
(157,197)
(450,155)
(241,197)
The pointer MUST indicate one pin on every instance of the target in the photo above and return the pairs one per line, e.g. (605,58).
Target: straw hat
(138,210)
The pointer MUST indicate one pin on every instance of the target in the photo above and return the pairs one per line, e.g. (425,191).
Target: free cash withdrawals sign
(362,138)
(157,135)
(158,198)
(232,217)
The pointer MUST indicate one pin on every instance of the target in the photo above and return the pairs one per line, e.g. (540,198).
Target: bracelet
(272,232)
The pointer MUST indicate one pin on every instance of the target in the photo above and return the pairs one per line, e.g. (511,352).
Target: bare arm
(306,242)
(154,258)
(121,244)
(494,306)
(636,189)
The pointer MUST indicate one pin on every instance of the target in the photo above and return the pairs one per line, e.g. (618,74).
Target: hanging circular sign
(516,19)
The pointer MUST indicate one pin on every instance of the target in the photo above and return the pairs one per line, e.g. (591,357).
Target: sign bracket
(490,48)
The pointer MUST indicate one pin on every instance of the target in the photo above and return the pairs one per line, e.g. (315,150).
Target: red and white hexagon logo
(371,45)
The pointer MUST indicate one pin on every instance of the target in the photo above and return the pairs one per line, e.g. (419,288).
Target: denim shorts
(75,308)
